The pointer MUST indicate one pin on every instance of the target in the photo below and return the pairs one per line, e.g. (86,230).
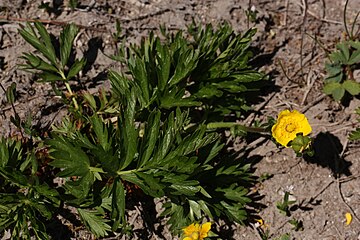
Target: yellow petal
(205,228)
(348,218)
(187,238)
(190,229)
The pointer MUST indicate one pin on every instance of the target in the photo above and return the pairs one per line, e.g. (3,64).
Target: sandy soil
(325,187)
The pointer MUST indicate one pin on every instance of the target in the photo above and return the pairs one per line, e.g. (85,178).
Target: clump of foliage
(340,70)
(207,72)
(344,60)
(149,132)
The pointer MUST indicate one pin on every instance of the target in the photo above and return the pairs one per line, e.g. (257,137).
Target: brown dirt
(283,37)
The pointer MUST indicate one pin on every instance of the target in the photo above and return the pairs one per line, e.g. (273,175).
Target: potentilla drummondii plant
(154,132)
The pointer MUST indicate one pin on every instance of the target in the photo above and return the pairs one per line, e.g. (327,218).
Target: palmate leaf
(71,159)
(41,42)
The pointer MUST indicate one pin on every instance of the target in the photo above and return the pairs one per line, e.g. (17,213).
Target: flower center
(290,127)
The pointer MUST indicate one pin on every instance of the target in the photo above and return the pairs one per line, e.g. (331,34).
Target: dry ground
(283,39)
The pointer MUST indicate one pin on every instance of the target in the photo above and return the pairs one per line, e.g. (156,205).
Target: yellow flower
(196,231)
(290,123)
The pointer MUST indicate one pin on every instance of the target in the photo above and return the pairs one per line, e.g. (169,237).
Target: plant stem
(344,18)
(232,124)
(72,95)
(128,171)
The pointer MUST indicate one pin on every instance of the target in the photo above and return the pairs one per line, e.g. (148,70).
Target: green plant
(208,74)
(343,61)
(340,70)
(297,224)
(27,202)
(52,65)
(284,206)
(149,134)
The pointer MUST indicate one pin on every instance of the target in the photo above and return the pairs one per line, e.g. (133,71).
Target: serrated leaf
(76,68)
(42,209)
(80,187)
(195,209)
(235,212)
(50,77)
(67,37)
(101,132)
(14,176)
(119,83)
(71,159)
(209,91)
(135,179)
(130,133)
(29,34)
(163,70)
(45,37)
(94,222)
(352,87)
(118,201)
(38,63)
(48,192)
(150,137)
(140,76)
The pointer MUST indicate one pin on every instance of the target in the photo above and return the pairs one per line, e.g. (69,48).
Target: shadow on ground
(328,150)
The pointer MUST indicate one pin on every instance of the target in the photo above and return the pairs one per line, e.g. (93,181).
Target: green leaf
(101,132)
(140,76)
(72,160)
(235,212)
(48,192)
(81,187)
(146,182)
(195,209)
(10,93)
(150,137)
(119,83)
(45,37)
(42,43)
(76,68)
(338,93)
(355,57)
(345,53)
(130,133)
(50,77)
(163,70)
(352,87)
(36,62)
(94,222)
(118,201)
(42,209)
(14,176)
(67,37)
